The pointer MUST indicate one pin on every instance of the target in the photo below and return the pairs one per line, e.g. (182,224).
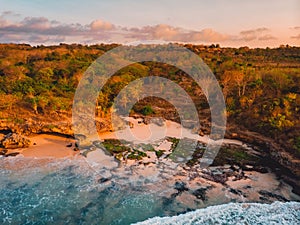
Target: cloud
(295,28)
(261,34)
(297,37)
(35,23)
(9,13)
(42,26)
(97,25)
(169,33)
(267,37)
(40,30)
(254,31)
(3,22)
(159,32)
(295,33)
(209,35)
(45,39)
(164,32)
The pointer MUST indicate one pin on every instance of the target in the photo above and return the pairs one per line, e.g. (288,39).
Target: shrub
(147,110)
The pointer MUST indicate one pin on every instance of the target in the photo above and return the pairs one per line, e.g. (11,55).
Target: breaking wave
(236,213)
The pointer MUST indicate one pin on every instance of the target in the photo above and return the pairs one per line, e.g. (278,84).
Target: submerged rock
(200,193)
(12,154)
(215,177)
(104,180)
(235,191)
(3,151)
(13,140)
(267,195)
(158,121)
(180,186)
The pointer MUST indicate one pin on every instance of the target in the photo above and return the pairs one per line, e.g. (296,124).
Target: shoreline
(196,187)
(47,146)
(50,147)
(63,144)
(175,194)
(193,187)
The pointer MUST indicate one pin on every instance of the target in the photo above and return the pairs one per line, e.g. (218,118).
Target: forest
(261,87)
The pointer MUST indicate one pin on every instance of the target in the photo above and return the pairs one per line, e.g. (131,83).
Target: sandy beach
(48,146)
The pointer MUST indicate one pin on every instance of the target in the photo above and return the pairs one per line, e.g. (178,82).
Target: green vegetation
(136,155)
(147,110)
(198,153)
(159,153)
(122,150)
(261,86)
(146,147)
(115,146)
(236,155)
(174,141)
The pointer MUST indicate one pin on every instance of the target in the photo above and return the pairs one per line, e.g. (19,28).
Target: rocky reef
(264,150)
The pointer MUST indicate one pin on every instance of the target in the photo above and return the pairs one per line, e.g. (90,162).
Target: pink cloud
(97,25)
(42,30)
(170,33)
(266,37)
(261,34)
(297,37)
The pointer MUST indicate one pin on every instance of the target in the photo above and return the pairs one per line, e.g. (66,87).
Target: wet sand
(163,172)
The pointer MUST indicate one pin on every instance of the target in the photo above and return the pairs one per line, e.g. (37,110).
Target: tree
(238,78)
(226,82)
(45,75)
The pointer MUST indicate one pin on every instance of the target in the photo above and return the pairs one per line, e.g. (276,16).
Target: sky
(234,23)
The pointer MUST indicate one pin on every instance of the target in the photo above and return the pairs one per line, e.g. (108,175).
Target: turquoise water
(69,192)
(61,193)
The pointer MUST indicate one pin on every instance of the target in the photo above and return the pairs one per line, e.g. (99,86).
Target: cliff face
(285,164)
(64,127)
(265,145)
(13,140)
(36,127)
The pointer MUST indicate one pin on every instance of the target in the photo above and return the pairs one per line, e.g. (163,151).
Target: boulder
(271,195)
(215,176)
(180,186)
(131,125)
(13,140)
(157,121)
(200,193)
(12,154)
(3,151)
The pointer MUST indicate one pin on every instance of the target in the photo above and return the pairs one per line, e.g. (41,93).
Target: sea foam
(235,213)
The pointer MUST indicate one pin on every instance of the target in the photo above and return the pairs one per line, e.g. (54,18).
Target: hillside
(260,86)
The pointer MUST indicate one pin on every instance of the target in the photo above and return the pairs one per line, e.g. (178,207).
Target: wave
(235,213)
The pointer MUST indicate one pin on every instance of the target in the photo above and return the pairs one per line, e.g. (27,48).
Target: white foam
(236,213)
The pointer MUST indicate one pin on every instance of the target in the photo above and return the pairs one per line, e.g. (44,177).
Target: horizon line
(213,45)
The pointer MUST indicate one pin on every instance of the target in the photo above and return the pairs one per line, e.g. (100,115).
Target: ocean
(236,214)
(68,191)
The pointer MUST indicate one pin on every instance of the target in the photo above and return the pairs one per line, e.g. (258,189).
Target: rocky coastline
(265,155)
